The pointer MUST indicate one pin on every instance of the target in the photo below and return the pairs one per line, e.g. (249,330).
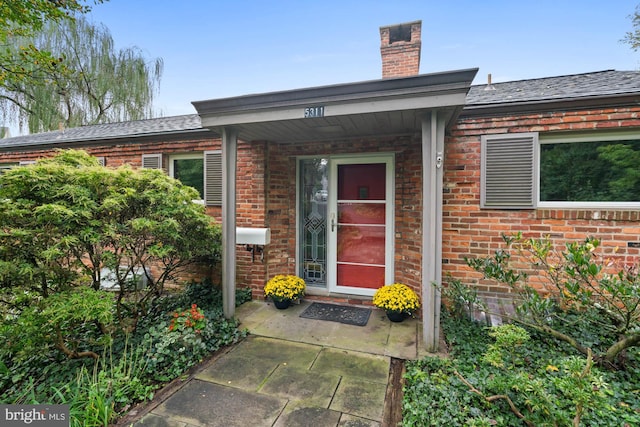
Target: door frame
(332,258)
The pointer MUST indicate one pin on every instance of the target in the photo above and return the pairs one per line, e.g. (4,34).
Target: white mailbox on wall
(253,236)
(254,239)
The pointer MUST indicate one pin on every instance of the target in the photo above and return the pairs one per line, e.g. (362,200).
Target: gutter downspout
(229,162)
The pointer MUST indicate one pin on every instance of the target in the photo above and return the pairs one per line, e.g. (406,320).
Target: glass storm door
(360,224)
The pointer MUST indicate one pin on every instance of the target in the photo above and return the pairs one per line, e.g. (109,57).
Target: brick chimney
(400,49)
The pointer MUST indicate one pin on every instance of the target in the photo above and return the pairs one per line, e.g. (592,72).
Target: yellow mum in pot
(396,298)
(285,288)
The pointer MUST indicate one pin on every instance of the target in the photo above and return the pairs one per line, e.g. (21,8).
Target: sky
(223,48)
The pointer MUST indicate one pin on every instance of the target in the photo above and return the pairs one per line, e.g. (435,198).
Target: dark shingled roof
(548,89)
(576,86)
(132,129)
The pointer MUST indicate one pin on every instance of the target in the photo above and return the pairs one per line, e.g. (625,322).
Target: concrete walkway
(291,371)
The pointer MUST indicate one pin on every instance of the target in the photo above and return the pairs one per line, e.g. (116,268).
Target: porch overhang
(378,107)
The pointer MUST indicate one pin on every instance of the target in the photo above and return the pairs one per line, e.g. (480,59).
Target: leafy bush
(576,280)
(172,350)
(67,221)
(460,298)
(74,321)
(130,368)
(97,395)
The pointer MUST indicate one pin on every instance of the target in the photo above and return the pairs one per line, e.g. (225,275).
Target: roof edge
(574,103)
(116,139)
(461,79)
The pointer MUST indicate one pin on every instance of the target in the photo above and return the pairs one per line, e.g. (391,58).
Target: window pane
(590,171)
(362,181)
(190,172)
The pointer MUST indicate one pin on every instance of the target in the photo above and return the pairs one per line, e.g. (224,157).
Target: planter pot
(394,316)
(281,305)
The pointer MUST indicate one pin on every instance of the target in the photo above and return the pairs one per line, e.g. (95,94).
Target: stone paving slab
(311,417)
(315,389)
(360,398)
(253,360)
(153,420)
(351,421)
(353,365)
(202,403)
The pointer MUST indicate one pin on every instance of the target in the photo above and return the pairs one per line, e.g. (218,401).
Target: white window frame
(576,138)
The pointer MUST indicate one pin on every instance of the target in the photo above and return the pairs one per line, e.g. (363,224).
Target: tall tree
(23,18)
(93,83)
(632,38)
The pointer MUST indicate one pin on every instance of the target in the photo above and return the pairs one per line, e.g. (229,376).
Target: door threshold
(338,298)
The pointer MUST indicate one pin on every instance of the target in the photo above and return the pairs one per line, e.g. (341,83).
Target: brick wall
(469,231)
(250,212)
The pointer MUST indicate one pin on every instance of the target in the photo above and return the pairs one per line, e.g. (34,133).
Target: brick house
(391,180)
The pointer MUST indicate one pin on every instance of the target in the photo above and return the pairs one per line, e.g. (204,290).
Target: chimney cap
(403,24)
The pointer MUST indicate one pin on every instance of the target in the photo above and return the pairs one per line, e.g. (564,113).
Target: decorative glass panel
(314,184)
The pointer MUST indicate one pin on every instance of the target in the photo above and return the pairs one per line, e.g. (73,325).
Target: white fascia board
(362,106)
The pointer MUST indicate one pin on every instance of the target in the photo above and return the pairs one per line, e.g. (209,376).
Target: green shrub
(170,353)
(578,279)
(129,369)
(75,321)
(66,221)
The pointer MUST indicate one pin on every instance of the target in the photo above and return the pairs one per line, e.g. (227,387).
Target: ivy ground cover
(514,379)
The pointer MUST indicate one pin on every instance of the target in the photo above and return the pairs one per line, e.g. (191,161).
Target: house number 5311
(310,112)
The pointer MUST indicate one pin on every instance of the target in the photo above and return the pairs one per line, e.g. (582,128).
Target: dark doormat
(357,316)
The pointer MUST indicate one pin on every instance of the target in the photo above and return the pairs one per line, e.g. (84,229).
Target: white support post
(229,161)
(432,172)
